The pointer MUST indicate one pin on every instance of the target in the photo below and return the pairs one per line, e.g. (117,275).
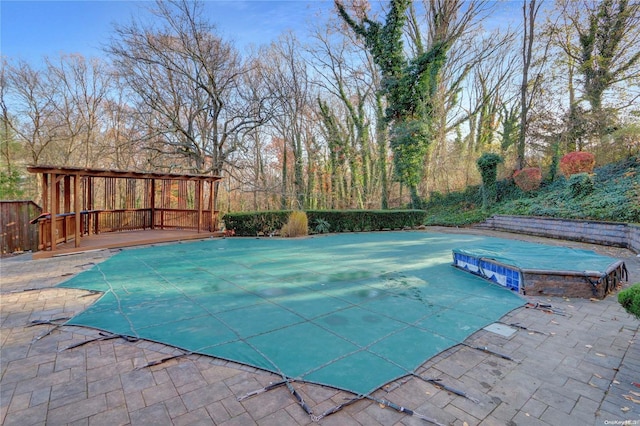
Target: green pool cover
(351,311)
(539,257)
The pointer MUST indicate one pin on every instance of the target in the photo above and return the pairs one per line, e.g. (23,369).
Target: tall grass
(296,226)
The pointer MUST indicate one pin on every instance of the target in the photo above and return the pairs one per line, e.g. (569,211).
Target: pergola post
(53,197)
(212,213)
(200,202)
(66,208)
(67,194)
(153,203)
(77,207)
(45,192)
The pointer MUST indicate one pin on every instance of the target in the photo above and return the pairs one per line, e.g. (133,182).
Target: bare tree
(6,135)
(531,85)
(288,80)
(36,123)
(81,88)
(189,86)
(10,187)
(122,137)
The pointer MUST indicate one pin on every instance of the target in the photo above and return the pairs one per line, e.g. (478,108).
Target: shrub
(322,226)
(507,189)
(528,179)
(251,224)
(629,298)
(471,195)
(581,184)
(296,226)
(368,220)
(577,162)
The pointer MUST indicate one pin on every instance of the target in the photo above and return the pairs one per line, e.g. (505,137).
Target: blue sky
(32,29)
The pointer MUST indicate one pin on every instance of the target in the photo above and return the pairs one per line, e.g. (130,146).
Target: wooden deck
(98,208)
(110,240)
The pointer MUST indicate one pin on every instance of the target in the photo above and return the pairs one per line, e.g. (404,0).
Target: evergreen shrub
(252,224)
(629,298)
(581,184)
(368,220)
(270,222)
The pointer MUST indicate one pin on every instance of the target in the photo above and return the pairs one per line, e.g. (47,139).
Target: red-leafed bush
(528,179)
(577,162)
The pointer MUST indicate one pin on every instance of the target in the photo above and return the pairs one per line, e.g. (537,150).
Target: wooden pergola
(81,203)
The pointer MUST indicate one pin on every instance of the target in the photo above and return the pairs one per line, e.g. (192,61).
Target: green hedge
(270,222)
(629,298)
(251,224)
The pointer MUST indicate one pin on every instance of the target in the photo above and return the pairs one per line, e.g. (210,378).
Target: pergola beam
(78,171)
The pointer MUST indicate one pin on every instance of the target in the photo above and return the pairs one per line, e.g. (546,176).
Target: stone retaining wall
(605,233)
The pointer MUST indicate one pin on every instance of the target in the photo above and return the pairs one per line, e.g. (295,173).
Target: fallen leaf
(632,399)
(588,346)
(597,375)
(531,333)
(615,382)
(465,424)
(599,354)
(384,406)
(570,306)
(634,393)
(527,414)
(625,409)
(553,322)
(553,334)
(593,385)
(593,299)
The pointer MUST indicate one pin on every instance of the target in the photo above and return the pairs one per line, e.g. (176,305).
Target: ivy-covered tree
(409,86)
(604,58)
(601,41)
(335,135)
(488,167)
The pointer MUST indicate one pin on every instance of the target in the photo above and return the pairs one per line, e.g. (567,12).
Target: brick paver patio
(578,366)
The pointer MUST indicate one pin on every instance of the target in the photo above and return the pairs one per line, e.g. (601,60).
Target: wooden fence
(16,233)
